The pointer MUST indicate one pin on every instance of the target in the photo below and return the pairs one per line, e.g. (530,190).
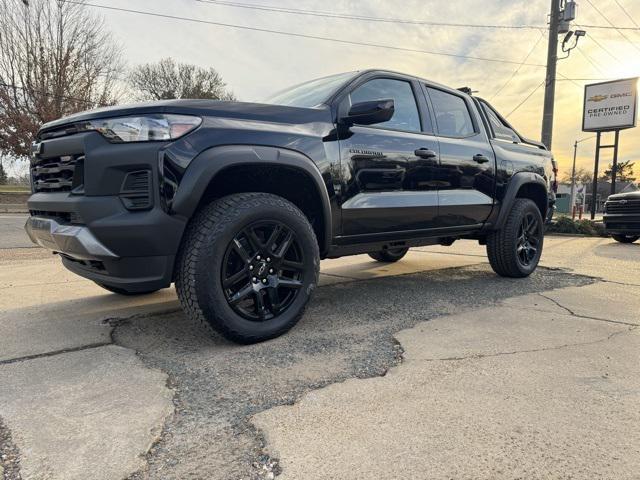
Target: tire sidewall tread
(501,244)
(198,279)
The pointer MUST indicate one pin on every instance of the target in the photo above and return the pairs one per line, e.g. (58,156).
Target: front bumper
(73,240)
(622,224)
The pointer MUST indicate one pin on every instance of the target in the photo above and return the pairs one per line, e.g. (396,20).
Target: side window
(500,130)
(406,116)
(452,114)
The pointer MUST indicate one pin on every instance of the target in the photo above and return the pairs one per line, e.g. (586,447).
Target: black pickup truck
(237,202)
(622,216)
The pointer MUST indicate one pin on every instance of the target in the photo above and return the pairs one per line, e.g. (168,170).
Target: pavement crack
(534,350)
(53,353)
(586,317)
(567,309)
(622,283)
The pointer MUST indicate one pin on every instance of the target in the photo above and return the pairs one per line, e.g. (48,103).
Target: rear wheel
(247,266)
(625,238)
(389,255)
(515,250)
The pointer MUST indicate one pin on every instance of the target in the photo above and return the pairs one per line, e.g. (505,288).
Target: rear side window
(452,114)
(406,116)
(500,129)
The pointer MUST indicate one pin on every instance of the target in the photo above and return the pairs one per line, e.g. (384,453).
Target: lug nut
(271,270)
(264,280)
(255,280)
(268,259)
(250,267)
(258,257)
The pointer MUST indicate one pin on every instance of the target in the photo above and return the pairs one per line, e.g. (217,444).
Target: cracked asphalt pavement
(432,367)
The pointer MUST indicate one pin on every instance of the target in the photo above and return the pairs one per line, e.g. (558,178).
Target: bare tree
(168,79)
(582,176)
(56,58)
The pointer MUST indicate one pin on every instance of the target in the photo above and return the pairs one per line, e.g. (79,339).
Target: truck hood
(202,108)
(625,196)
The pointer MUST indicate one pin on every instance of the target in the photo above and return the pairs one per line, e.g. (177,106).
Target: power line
(302,35)
(591,37)
(582,79)
(627,13)
(367,18)
(569,80)
(610,23)
(590,60)
(518,67)
(527,98)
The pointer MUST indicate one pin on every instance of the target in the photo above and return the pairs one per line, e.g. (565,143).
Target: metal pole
(572,202)
(550,79)
(594,191)
(614,168)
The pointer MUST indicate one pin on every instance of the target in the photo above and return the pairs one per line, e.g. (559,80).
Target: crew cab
(236,203)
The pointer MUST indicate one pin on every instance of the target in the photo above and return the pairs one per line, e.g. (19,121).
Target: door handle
(425,153)
(480,158)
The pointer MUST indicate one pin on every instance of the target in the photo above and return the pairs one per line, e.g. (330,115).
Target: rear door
(388,168)
(466,177)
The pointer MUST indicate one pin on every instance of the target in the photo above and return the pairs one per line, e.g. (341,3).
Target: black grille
(56,174)
(136,190)
(65,217)
(631,207)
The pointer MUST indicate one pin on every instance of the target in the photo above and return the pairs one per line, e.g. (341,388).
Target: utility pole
(550,79)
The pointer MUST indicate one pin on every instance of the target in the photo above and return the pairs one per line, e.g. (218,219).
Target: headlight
(144,128)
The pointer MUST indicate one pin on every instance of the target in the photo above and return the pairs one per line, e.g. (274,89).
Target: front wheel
(625,238)
(515,250)
(248,266)
(390,255)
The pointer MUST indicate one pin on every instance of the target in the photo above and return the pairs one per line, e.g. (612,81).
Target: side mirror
(369,113)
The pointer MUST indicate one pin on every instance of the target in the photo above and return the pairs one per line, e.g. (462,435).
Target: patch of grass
(14,189)
(576,227)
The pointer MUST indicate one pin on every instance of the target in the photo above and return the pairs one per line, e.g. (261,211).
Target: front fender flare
(211,162)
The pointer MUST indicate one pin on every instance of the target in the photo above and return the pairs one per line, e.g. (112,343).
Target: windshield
(311,93)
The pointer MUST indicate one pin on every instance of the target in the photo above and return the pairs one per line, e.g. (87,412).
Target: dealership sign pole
(608,107)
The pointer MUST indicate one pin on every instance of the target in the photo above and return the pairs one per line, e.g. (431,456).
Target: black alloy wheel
(528,242)
(247,266)
(515,249)
(263,270)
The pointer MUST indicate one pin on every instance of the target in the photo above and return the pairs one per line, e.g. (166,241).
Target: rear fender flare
(515,183)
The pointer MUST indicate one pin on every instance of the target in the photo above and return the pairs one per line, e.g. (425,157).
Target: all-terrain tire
(122,291)
(389,255)
(201,256)
(625,238)
(502,244)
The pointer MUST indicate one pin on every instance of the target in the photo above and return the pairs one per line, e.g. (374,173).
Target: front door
(388,168)
(466,176)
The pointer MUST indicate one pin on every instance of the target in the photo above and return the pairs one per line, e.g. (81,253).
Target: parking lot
(433,364)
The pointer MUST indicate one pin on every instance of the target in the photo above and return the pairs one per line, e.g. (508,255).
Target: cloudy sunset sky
(255,64)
